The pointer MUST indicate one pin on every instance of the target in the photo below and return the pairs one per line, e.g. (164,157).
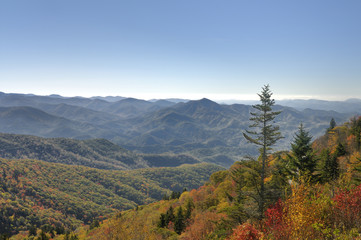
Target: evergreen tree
(174,195)
(162,221)
(264,135)
(332,124)
(340,150)
(302,160)
(169,216)
(190,206)
(356,130)
(330,168)
(179,221)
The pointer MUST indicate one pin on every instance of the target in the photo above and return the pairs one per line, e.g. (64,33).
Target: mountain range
(204,129)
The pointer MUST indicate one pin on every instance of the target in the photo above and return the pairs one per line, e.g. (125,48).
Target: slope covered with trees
(96,153)
(305,201)
(311,192)
(58,197)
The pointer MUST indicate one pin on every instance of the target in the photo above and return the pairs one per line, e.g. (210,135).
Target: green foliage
(332,125)
(96,153)
(302,159)
(70,236)
(179,222)
(265,135)
(189,209)
(94,224)
(330,169)
(356,130)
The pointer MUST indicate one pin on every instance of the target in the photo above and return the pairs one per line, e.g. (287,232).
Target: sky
(181,48)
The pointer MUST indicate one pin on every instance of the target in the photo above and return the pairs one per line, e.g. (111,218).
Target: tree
(43,236)
(169,216)
(162,223)
(340,150)
(356,130)
(179,221)
(32,231)
(302,160)
(190,206)
(94,224)
(330,167)
(264,135)
(332,125)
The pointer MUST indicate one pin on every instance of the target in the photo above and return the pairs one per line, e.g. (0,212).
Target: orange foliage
(203,224)
(246,231)
(203,197)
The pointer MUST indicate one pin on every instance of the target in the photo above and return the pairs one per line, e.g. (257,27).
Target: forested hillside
(313,192)
(57,197)
(97,153)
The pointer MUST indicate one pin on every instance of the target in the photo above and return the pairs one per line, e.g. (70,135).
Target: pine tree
(332,123)
(265,135)
(179,221)
(190,206)
(162,221)
(169,216)
(340,150)
(302,159)
(330,167)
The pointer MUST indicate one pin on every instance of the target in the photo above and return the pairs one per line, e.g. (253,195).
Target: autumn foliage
(347,208)
(246,231)
(300,206)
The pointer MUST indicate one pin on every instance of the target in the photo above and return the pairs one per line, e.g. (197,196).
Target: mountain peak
(205,102)
(201,105)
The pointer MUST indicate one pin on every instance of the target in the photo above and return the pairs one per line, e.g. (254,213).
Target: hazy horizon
(182,49)
(218,99)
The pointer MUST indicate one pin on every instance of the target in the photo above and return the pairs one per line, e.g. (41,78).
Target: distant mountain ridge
(347,106)
(207,130)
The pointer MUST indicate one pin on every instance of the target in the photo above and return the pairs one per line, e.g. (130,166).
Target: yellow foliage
(185,197)
(268,179)
(223,206)
(304,209)
(223,189)
(354,158)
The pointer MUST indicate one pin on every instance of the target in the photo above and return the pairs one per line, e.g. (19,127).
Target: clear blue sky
(181,48)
